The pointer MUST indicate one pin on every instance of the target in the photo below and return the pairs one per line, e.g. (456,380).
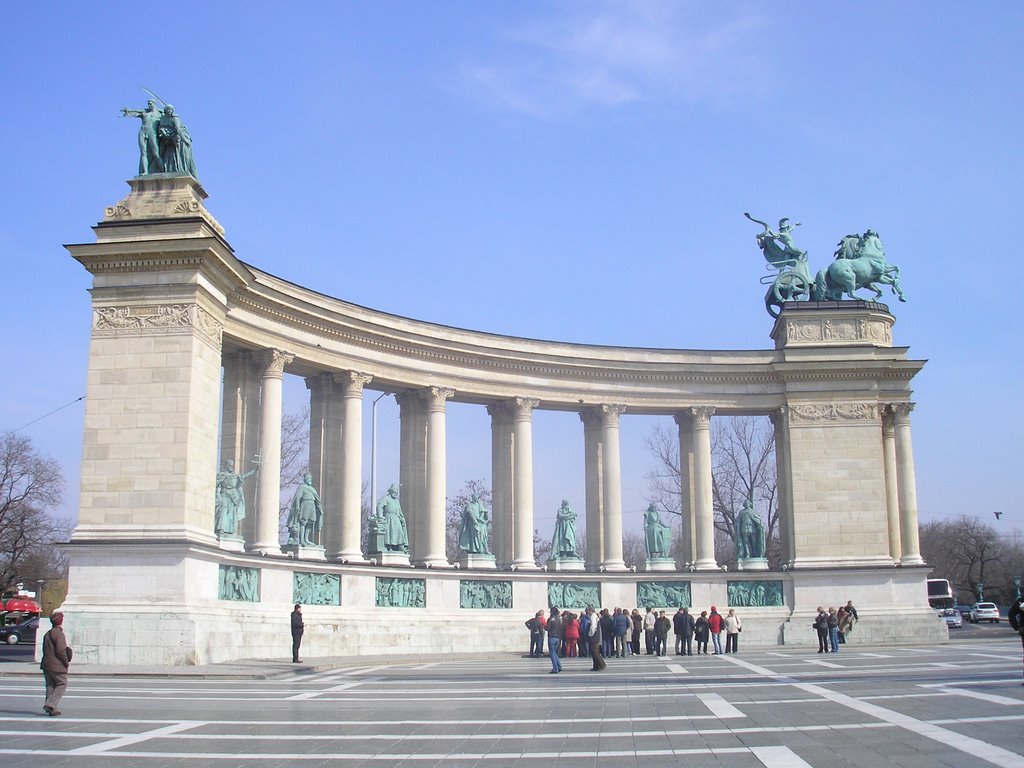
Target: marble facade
(186,336)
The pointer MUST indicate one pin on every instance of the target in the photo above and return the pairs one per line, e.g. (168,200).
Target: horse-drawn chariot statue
(859,263)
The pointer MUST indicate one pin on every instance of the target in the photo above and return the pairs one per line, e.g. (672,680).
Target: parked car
(985,612)
(952,618)
(22,632)
(964,610)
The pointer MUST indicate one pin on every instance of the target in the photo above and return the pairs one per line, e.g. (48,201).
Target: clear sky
(562,170)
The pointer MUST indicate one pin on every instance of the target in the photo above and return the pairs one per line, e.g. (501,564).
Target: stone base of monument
(566,564)
(390,558)
(231,543)
(752,564)
(469,561)
(659,564)
(304,552)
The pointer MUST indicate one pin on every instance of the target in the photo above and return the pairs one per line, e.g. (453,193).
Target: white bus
(940,594)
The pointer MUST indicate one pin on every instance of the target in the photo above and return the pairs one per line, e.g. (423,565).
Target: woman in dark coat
(701,632)
(55,665)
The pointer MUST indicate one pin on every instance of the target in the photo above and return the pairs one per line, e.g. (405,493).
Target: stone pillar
(502,495)
(892,498)
(268,512)
(787,534)
(703,497)
(907,486)
(522,475)
(593,455)
(612,488)
(435,556)
(687,507)
(325,454)
(352,383)
(240,426)
(412,469)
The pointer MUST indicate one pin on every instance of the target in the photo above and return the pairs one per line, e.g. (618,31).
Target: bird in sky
(998,515)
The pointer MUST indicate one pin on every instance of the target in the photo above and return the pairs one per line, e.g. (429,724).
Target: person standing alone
(55,664)
(297,628)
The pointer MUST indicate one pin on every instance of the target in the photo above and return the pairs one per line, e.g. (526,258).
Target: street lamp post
(39,596)
(1016,585)
(373,450)
(981,591)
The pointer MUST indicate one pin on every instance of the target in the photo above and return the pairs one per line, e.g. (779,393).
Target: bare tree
(965,551)
(743,467)
(31,487)
(634,549)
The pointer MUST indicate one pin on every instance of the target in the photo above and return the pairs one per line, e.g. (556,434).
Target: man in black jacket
(297,627)
(1016,617)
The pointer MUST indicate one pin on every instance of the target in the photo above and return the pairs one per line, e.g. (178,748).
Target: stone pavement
(956,704)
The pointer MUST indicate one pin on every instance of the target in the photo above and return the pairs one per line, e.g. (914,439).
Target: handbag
(69,653)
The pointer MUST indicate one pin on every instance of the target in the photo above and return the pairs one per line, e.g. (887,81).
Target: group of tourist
(833,626)
(605,633)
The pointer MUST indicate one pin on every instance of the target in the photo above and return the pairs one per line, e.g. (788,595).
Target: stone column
(787,531)
(892,498)
(268,512)
(240,421)
(325,454)
(703,497)
(688,534)
(502,495)
(612,488)
(352,383)
(522,469)
(593,455)
(435,398)
(412,469)
(907,486)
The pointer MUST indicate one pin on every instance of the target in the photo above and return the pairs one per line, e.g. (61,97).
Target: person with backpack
(55,664)
(536,627)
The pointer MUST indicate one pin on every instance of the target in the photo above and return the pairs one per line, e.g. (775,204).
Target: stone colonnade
(336,464)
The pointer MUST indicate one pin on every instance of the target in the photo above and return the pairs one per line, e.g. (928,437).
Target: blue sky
(565,170)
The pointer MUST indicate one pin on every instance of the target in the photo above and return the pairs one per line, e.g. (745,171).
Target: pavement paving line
(778,757)
(977,748)
(829,664)
(876,655)
(719,707)
(124,741)
(333,689)
(677,668)
(994,698)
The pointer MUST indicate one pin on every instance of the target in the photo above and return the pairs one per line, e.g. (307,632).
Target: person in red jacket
(715,624)
(572,633)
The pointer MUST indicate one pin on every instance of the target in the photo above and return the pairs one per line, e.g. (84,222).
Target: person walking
(701,630)
(1016,619)
(732,631)
(555,629)
(55,664)
(594,640)
(297,628)
(715,625)
(820,626)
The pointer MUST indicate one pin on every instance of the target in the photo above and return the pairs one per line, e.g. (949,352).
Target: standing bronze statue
(305,514)
(149,146)
(165,145)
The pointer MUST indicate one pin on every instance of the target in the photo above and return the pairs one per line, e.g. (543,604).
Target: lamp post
(39,595)
(373,450)
(981,591)
(1016,585)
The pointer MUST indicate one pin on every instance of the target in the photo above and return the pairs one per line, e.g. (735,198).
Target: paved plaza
(952,705)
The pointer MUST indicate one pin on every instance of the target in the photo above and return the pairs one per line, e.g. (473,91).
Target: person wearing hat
(55,663)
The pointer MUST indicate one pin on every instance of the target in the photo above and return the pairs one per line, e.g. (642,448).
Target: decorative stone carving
(352,382)
(157,319)
(570,594)
(839,328)
(188,206)
(522,407)
(610,415)
(273,362)
(663,594)
(834,412)
(117,211)
(235,583)
(316,588)
(401,593)
(485,594)
(901,411)
(702,416)
(754,594)
(435,397)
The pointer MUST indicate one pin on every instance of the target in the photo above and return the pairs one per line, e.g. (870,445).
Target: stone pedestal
(566,564)
(477,562)
(659,564)
(391,558)
(304,553)
(231,542)
(752,564)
